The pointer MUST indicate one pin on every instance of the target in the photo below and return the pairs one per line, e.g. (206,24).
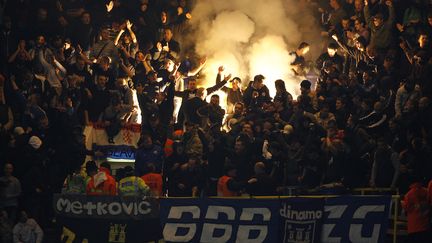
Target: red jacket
(416,205)
(154,181)
(102,184)
(222,187)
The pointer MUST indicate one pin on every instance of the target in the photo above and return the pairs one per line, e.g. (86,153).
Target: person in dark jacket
(261,184)
(256,93)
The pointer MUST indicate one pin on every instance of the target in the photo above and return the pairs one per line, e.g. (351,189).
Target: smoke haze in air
(251,37)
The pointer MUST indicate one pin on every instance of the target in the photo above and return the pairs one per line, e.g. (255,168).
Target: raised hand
(109,6)
(128,24)
(227,77)
(159,46)
(389,3)
(79,49)
(203,61)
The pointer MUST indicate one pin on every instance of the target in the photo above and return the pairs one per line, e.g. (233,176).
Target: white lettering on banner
(76,207)
(142,210)
(90,207)
(170,231)
(63,204)
(355,234)
(303,215)
(362,211)
(114,208)
(209,229)
(128,208)
(177,212)
(213,212)
(325,234)
(355,230)
(248,213)
(244,232)
(335,212)
(101,208)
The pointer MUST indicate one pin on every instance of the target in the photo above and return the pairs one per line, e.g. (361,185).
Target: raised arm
(120,33)
(198,69)
(366,13)
(132,34)
(391,17)
(60,67)
(84,57)
(217,86)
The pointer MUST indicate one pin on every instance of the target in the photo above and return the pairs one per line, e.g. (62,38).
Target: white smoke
(250,37)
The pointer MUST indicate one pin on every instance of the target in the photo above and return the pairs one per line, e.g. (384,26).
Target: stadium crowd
(66,64)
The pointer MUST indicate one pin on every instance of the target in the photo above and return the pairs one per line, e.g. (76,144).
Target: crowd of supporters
(66,64)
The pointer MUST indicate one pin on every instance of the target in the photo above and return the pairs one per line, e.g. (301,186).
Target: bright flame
(269,57)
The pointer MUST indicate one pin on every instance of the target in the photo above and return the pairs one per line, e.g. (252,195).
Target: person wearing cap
(227,185)
(381,30)
(257,93)
(132,185)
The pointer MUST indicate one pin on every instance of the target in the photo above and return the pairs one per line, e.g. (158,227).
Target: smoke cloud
(251,37)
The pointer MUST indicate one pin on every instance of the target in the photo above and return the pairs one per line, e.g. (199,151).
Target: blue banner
(116,153)
(338,219)
(356,219)
(219,220)
(112,219)
(301,220)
